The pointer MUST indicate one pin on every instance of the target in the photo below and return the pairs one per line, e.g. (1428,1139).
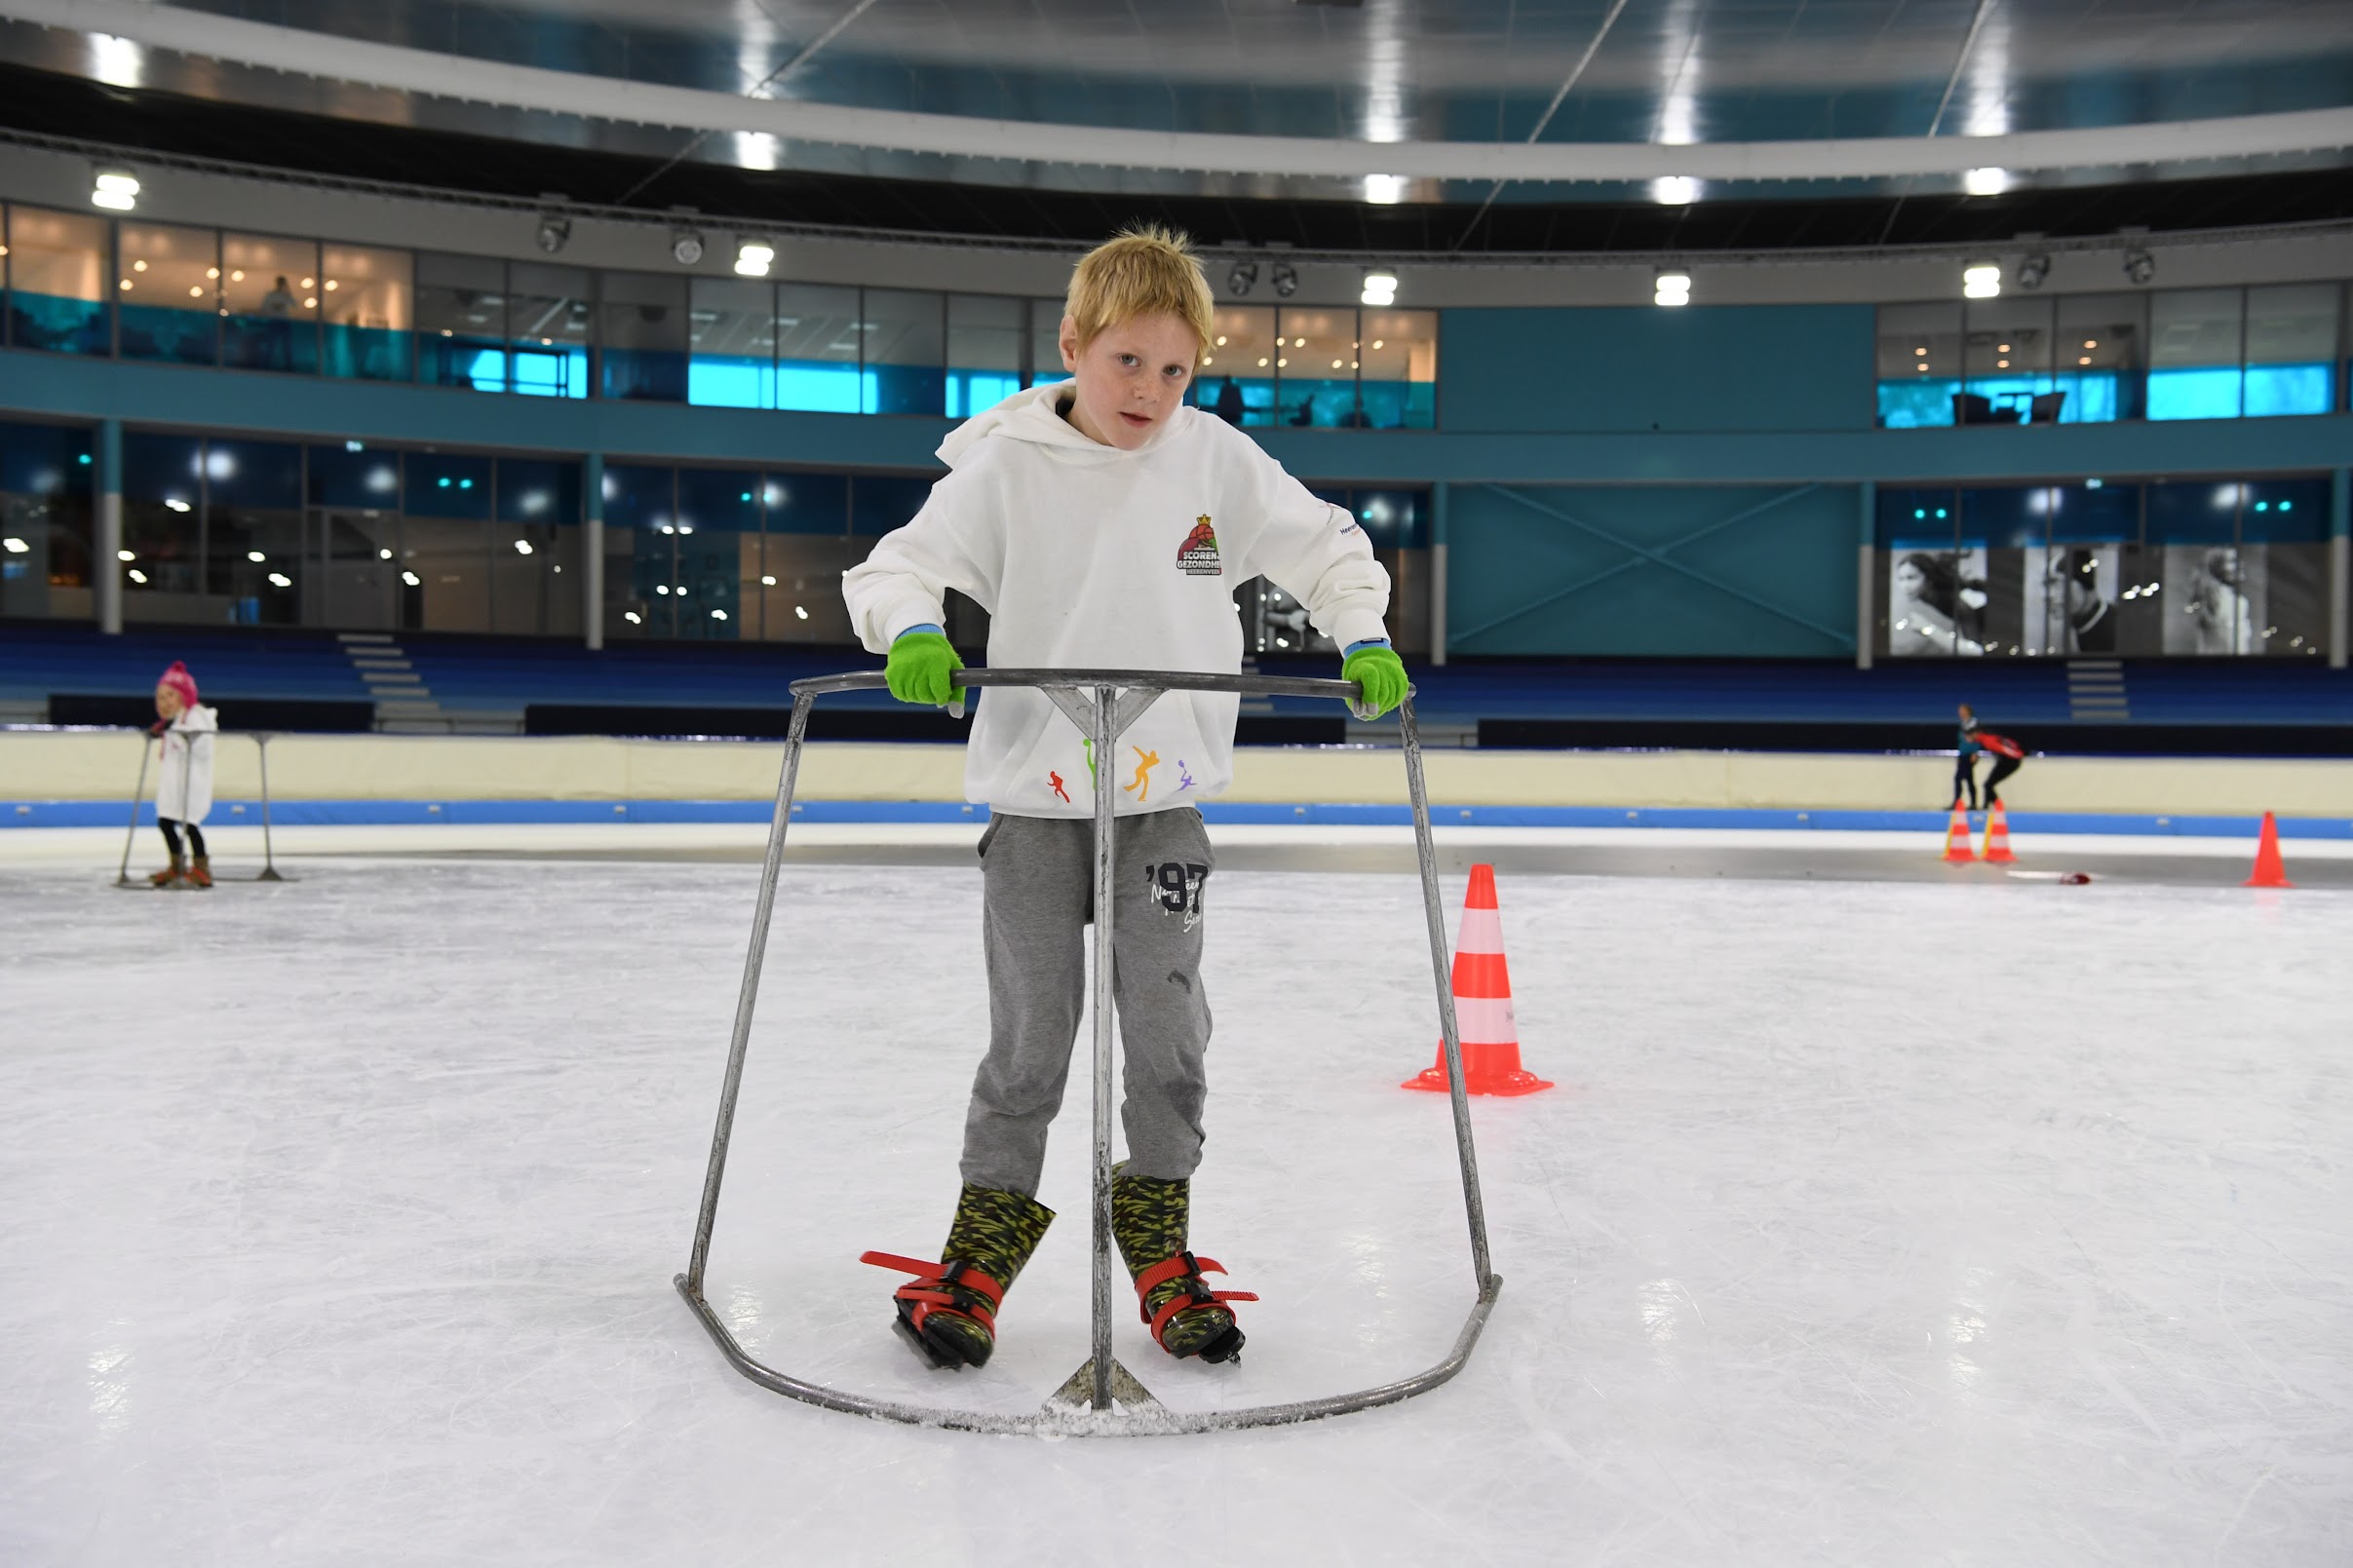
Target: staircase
(404,702)
(2095,692)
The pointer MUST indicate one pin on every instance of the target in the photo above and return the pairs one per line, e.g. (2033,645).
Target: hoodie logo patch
(1198,556)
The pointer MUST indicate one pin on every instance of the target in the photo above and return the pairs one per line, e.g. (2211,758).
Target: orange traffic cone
(1997,836)
(1483,1003)
(2269,870)
(1956,835)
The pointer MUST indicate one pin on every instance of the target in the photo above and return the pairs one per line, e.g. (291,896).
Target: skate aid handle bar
(1167,680)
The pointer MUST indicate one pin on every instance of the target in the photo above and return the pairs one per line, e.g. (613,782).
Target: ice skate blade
(1077,1391)
(937,1358)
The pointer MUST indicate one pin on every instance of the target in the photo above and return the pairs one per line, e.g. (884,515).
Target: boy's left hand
(1381,673)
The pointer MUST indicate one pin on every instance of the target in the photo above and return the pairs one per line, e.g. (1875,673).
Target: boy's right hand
(919,665)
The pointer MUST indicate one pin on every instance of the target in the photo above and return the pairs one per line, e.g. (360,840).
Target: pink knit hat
(179,680)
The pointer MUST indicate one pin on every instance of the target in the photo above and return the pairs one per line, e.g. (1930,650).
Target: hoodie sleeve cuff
(1352,626)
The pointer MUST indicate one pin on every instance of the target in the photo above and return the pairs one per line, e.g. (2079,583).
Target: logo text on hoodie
(1198,556)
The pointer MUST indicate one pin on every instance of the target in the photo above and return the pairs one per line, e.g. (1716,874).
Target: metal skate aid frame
(1101,1397)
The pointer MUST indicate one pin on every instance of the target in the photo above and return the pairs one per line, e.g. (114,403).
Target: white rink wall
(65,765)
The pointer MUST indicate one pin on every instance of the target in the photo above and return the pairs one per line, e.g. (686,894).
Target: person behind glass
(183,787)
(279,306)
(1229,401)
(1925,617)
(2091,618)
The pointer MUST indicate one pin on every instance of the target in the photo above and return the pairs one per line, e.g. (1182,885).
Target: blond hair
(1147,271)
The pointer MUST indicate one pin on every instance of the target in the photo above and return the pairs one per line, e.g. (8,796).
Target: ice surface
(1888,1224)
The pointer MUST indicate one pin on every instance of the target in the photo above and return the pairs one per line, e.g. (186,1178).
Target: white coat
(1088,557)
(183,789)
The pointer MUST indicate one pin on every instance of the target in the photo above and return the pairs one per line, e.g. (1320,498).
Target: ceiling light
(1384,190)
(1380,289)
(630,616)
(2140,266)
(1675,190)
(554,233)
(1241,278)
(2032,271)
(138,576)
(15,546)
(1286,279)
(383,554)
(412,580)
(1981,280)
(751,257)
(175,504)
(1672,288)
(115,189)
(523,547)
(281,579)
(718,615)
(685,247)
(1985,182)
(767,581)
(1221,340)
(256,556)
(800,612)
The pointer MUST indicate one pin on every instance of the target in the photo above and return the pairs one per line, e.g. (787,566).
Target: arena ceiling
(1383,124)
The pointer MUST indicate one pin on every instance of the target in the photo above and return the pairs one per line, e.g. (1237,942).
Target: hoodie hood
(1034,414)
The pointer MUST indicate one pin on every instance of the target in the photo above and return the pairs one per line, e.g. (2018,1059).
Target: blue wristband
(928,626)
(1370,642)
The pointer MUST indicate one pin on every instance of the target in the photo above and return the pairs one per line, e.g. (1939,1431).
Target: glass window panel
(2293,619)
(445,484)
(1398,383)
(2292,348)
(45,521)
(817,349)
(56,275)
(1316,365)
(165,541)
(2293,511)
(717,549)
(253,555)
(2194,512)
(367,298)
(2099,358)
(355,475)
(535,577)
(1927,519)
(44,460)
(803,552)
(645,337)
(1046,342)
(1919,360)
(1236,380)
(983,351)
(2194,342)
(547,319)
(881,502)
(169,294)
(355,580)
(640,554)
(2006,363)
(461,321)
(906,335)
(269,297)
(733,343)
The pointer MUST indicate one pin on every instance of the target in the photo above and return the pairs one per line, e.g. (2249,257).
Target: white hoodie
(183,779)
(1090,558)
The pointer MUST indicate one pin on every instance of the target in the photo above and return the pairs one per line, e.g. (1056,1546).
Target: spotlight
(1241,278)
(1672,288)
(751,257)
(1981,280)
(1286,279)
(115,189)
(554,233)
(1985,182)
(685,247)
(1380,288)
(2032,271)
(2140,266)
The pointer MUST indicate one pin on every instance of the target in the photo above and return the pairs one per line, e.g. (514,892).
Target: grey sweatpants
(1037,899)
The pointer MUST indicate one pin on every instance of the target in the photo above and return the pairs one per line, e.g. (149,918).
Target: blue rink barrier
(421,813)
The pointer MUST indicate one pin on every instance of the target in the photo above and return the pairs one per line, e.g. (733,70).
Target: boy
(1104,524)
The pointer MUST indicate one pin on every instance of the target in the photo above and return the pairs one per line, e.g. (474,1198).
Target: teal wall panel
(1738,571)
(1773,367)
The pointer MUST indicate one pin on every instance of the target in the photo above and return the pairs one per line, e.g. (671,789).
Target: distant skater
(2007,756)
(184,785)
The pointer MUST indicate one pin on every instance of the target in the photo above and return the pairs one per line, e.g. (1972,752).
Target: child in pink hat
(183,789)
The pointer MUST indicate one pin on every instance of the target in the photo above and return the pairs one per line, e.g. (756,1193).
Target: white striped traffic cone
(1483,1003)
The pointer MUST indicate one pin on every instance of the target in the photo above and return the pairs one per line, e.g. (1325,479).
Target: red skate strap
(1197,1294)
(933,1290)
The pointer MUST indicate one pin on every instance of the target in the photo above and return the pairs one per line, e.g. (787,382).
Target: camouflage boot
(948,1311)
(1149,1220)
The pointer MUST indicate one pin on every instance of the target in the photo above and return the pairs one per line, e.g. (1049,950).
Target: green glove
(1381,673)
(920,664)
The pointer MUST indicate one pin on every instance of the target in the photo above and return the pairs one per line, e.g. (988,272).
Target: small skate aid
(949,1310)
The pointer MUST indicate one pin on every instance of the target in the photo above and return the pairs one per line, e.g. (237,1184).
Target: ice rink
(1872,1222)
